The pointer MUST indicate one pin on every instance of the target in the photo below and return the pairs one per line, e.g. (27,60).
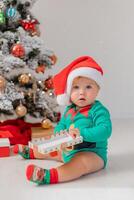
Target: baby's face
(83,91)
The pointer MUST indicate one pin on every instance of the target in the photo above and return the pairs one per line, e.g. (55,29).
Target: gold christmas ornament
(40,69)
(21,110)
(2,83)
(46,123)
(24,79)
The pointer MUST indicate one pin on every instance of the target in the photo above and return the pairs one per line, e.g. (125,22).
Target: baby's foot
(24,151)
(37,175)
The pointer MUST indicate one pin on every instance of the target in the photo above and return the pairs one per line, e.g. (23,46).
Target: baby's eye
(75,87)
(88,86)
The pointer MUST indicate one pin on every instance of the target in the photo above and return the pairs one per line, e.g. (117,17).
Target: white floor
(115,182)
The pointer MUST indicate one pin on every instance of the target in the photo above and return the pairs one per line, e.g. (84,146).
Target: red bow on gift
(18,131)
(29,25)
(5,134)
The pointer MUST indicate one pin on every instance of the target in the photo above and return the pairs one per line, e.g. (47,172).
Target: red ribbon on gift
(5,134)
(18,131)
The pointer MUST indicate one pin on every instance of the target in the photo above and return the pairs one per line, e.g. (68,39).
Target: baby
(76,86)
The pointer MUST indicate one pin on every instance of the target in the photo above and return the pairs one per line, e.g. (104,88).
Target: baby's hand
(37,154)
(74,132)
(63,147)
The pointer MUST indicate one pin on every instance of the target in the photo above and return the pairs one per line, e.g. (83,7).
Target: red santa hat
(83,66)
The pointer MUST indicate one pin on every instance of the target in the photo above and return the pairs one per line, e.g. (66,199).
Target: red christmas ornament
(54,59)
(40,68)
(18,50)
(49,83)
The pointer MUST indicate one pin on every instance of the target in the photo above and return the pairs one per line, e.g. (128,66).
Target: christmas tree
(26,88)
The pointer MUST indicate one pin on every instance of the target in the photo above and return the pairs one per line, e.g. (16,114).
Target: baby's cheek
(73,97)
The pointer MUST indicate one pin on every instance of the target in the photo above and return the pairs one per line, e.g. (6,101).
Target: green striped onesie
(94,125)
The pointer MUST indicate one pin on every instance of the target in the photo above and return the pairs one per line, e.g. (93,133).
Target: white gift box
(54,143)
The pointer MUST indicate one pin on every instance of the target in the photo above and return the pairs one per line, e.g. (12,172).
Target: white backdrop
(103,29)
